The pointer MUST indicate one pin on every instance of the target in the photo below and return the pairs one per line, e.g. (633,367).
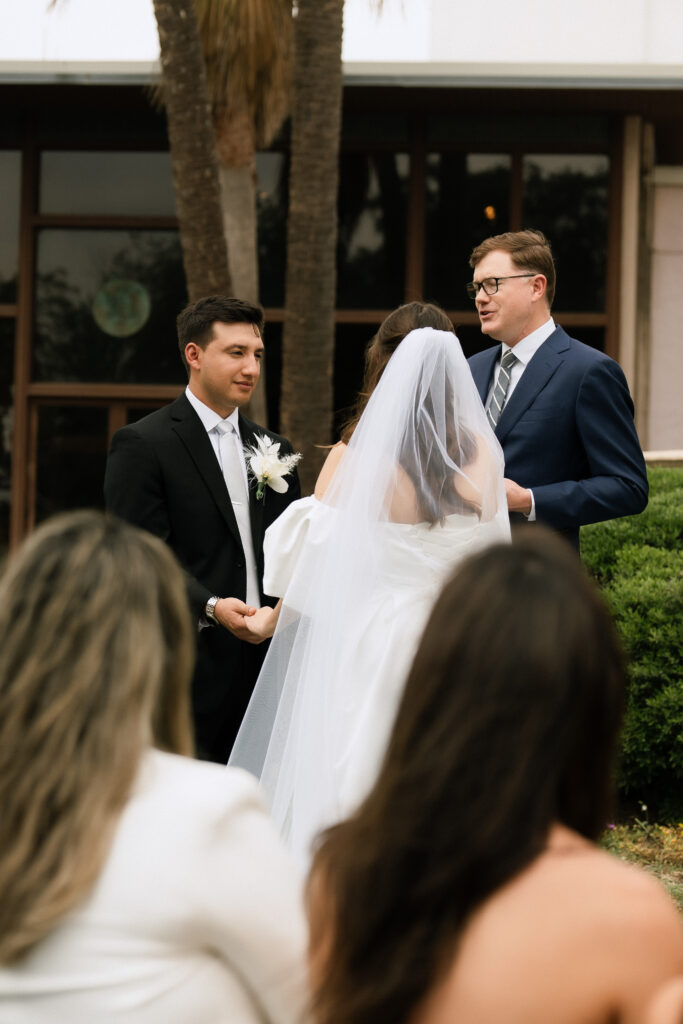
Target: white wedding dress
(359,573)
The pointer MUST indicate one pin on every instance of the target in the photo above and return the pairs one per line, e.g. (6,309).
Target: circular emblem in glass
(121,307)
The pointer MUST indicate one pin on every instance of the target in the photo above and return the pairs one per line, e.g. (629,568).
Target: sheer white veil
(423,470)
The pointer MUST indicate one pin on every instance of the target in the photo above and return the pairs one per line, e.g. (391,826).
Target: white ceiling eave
(380,73)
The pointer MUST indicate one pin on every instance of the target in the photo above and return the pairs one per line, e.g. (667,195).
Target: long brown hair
(382,346)
(96,652)
(508,724)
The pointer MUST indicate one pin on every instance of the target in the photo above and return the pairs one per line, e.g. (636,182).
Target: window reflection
(351,341)
(133,184)
(566,198)
(6,419)
(72,451)
(10,186)
(272,172)
(372,230)
(468,199)
(131,283)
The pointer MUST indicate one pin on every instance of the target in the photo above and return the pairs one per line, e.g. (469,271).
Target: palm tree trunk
(193,149)
(237,168)
(308,340)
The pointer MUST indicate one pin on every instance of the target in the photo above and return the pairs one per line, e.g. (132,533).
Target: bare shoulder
(667,1005)
(329,468)
(574,905)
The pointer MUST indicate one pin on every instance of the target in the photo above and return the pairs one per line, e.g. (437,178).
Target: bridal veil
(419,486)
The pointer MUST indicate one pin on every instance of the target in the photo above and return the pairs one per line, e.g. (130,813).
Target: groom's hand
(233,613)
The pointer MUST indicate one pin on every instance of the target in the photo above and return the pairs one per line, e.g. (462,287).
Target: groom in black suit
(180,473)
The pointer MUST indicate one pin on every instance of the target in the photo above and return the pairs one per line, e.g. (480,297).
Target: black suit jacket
(163,475)
(567,433)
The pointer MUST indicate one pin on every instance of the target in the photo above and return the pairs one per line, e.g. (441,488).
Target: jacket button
(240,565)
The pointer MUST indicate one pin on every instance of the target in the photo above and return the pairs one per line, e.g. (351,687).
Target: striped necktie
(499,394)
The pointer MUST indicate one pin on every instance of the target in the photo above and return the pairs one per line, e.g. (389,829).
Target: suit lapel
(483,371)
(540,369)
(191,432)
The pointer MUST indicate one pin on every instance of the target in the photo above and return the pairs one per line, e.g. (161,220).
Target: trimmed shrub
(638,562)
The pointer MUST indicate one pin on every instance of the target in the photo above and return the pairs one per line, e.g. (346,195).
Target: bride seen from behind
(415,484)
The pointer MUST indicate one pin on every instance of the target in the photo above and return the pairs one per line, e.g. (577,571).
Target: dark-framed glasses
(490,284)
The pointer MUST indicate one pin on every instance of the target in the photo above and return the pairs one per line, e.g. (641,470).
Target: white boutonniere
(268,467)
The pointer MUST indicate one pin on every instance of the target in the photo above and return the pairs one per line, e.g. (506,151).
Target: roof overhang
(379,73)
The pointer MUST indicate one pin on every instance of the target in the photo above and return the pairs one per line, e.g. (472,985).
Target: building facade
(437,153)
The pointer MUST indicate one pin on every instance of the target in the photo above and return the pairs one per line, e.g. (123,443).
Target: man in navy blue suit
(560,409)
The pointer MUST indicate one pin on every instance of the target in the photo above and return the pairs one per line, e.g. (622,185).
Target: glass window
(136,411)
(6,417)
(272,367)
(372,230)
(133,184)
(471,338)
(106,303)
(566,198)
(10,187)
(468,199)
(351,341)
(272,172)
(593,336)
(72,451)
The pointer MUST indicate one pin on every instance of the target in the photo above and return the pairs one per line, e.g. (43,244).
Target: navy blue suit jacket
(567,433)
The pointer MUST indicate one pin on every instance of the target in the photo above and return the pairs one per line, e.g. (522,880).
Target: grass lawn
(657,848)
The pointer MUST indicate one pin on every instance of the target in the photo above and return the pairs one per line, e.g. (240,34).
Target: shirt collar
(527,347)
(209,418)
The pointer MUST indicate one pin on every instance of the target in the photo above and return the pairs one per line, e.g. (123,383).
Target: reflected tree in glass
(566,198)
(72,268)
(271,207)
(468,199)
(372,230)
(71,456)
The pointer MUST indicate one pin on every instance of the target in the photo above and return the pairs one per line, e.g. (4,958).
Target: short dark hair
(195,322)
(508,724)
(529,250)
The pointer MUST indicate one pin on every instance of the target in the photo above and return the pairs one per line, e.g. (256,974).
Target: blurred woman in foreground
(468,886)
(135,885)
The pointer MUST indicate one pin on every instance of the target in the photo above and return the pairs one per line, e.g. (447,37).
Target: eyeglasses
(490,284)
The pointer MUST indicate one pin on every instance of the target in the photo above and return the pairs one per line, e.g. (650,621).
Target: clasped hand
(244,621)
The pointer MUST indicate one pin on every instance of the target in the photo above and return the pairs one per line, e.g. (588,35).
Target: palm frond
(248,53)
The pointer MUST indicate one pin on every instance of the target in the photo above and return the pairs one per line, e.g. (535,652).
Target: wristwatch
(209,610)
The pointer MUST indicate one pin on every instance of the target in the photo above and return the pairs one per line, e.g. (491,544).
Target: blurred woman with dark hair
(468,886)
(135,884)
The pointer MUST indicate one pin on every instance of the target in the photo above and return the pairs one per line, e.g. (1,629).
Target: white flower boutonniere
(268,467)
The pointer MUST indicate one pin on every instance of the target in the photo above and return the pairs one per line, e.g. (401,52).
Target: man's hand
(518,498)
(233,613)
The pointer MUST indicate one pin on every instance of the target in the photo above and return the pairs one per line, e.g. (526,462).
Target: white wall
(579,31)
(507,31)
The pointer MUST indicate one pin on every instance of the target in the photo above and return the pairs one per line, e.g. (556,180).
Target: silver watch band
(209,610)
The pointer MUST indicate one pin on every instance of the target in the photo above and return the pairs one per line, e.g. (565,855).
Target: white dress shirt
(524,351)
(210,421)
(196,917)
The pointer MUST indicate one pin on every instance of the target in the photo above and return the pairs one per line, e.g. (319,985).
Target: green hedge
(638,562)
